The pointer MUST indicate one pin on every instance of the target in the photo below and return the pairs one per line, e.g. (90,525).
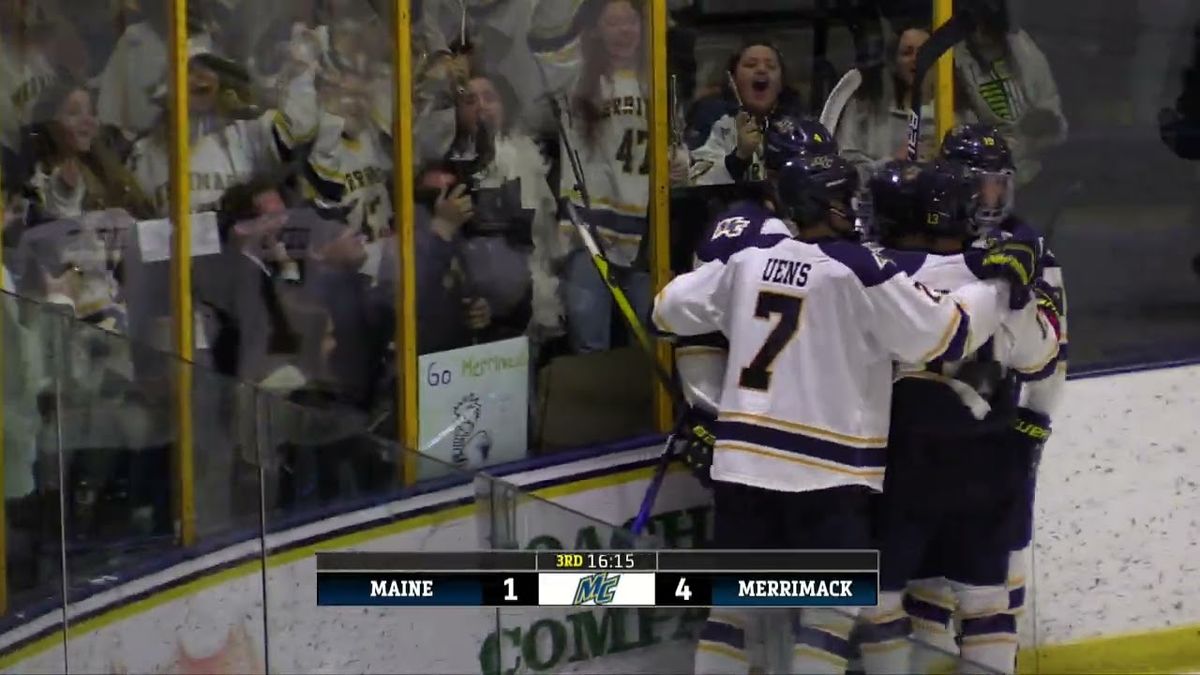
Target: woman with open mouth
(733,151)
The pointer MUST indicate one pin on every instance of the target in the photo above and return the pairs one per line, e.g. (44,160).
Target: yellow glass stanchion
(182,316)
(660,190)
(943,102)
(3,510)
(406,292)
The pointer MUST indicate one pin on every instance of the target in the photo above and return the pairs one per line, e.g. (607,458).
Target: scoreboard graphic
(599,578)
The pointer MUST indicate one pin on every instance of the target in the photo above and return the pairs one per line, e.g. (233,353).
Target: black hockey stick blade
(954,31)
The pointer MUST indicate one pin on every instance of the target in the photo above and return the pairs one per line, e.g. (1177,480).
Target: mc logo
(546,639)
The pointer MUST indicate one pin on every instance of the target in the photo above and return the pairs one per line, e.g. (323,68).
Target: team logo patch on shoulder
(731,227)
(880,259)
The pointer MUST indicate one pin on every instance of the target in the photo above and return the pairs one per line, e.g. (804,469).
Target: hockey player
(949,488)
(982,149)
(813,324)
(749,222)
(752,221)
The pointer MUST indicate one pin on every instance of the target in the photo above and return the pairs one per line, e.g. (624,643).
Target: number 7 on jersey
(757,375)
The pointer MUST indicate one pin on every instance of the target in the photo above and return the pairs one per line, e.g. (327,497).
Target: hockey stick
(943,40)
(592,242)
(842,92)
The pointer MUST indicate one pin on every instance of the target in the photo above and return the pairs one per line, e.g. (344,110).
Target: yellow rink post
(3,511)
(943,101)
(182,316)
(660,191)
(406,292)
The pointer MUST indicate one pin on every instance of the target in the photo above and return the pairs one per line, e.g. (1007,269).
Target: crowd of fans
(519,105)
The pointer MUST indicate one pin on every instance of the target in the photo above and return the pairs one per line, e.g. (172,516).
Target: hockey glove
(693,443)
(1015,261)
(1030,433)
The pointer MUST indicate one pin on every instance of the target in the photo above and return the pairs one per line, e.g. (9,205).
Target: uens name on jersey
(699,361)
(813,329)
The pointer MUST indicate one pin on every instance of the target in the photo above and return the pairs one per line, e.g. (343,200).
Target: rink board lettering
(211,609)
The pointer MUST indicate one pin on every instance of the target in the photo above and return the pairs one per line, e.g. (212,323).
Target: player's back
(700,361)
(939,407)
(1024,348)
(805,398)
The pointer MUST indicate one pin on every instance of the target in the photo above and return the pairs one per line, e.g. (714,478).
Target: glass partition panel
(1090,120)
(516,110)
(33,615)
(549,639)
(1107,169)
(291,108)
(313,471)
(114,422)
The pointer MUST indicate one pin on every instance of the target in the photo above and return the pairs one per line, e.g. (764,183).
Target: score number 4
(682,591)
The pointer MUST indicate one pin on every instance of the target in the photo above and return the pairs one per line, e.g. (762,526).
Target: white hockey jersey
(231,152)
(1024,341)
(813,329)
(616,163)
(699,362)
(1042,395)
(708,160)
(352,173)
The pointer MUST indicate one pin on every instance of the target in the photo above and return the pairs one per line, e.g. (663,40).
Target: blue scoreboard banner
(611,578)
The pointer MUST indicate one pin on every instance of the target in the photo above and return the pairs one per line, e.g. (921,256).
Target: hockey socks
(822,641)
(989,629)
(722,647)
(884,633)
(930,603)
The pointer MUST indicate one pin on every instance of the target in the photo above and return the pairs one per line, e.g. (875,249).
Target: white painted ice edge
(1115,553)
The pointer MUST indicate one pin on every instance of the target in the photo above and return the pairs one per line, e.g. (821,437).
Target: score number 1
(510,589)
